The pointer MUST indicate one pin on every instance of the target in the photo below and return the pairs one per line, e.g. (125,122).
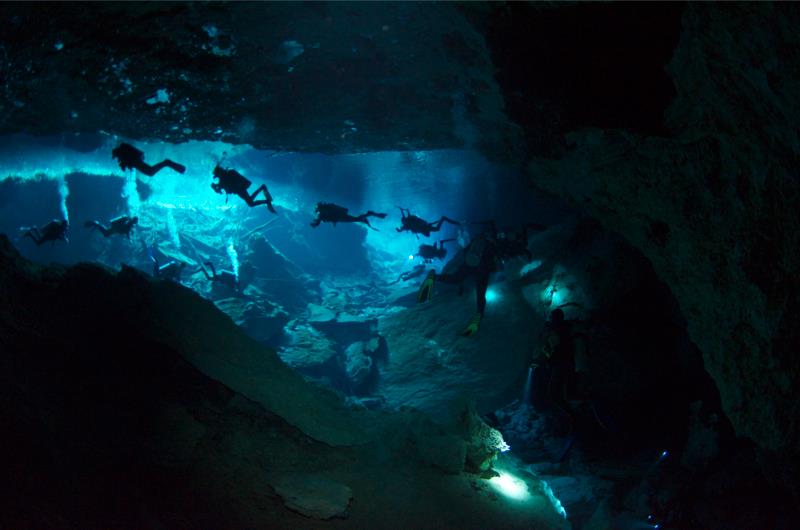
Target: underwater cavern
(451,265)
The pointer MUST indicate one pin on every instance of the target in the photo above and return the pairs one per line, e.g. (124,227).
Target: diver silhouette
(418,225)
(436,251)
(169,271)
(557,353)
(121,226)
(224,277)
(512,243)
(131,158)
(328,212)
(479,260)
(231,181)
(53,231)
(408,275)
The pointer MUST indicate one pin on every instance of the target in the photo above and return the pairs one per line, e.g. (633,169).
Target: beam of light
(510,486)
(526,391)
(552,295)
(530,267)
(492,295)
(173,229)
(410,257)
(548,491)
(234,258)
(63,193)
(131,194)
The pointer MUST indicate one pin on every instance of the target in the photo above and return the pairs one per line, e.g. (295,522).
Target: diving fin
(426,289)
(473,326)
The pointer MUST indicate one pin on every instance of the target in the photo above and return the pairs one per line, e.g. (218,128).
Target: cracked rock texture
(714,207)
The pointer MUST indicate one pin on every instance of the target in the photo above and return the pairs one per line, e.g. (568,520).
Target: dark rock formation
(89,307)
(111,420)
(311,77)
(714,207)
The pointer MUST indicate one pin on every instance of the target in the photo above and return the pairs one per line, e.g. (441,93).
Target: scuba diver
(418,225)
(478,259)
(53,231)
(557,354)
(231,181)
(131,158)
(224,277)
(408,275)
(121,225)
(512,243)
(327,212)
(561,352)
(430,252)
(169,271)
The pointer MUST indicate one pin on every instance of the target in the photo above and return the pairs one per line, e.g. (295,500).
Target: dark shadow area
(90,447)
(566,67)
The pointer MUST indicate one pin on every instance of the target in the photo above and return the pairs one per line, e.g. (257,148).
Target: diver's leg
(248,199)
(34,234)
(481,285)
(261,188)
(267,198)
(436,225)
(96,225)
(556,392)
(315,223)
(363,218)
(425,292)
(152,170)
(147,169)
(174,166)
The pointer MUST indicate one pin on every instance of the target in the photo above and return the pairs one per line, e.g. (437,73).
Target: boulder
(313,495)
(358,364)
(483,443)
(308,349)
(261,320)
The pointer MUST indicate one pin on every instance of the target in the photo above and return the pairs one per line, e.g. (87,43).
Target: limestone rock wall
(325,77)
(714,207)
